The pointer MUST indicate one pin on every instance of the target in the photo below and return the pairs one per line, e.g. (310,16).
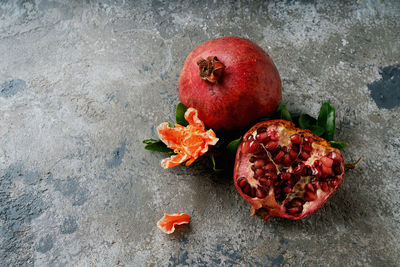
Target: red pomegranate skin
(249,87)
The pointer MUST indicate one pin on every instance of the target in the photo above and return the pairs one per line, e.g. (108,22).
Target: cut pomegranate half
(284,171)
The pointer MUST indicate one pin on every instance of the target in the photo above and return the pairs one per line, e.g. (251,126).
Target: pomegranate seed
(269,167)
(259,163)
(295,210)
(308,140)
(271,175)
(304,155)
(253,168)
(295,139)
(271,145)
(326,171)
(250,138)
(287,190)
(299,169)
(296,148)
(265,182)
(261,193)
(324,186)
(262,137)
(242,182)
(327,162)
(285,175)
(293,154)
(310,187)
(252,159)
(334,182)
(310,196)
(279,156)
(296,203)
(254,147)
(259,172)
(307,148)
(286,160)
(246,189)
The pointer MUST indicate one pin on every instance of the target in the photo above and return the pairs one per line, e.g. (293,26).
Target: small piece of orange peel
(168,222)
(188,142)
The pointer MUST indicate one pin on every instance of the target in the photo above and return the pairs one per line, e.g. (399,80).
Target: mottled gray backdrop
(82,83)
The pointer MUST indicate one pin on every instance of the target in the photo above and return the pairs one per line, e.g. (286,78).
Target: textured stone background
(82,84)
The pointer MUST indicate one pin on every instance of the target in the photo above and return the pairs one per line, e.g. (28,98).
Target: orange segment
(168,222)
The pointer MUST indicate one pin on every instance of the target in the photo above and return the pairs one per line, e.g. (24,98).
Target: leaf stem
(352,165)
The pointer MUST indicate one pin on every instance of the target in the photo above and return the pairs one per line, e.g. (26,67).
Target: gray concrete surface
(82,83)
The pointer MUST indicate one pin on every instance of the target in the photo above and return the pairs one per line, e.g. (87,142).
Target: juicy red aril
(270,146)
(262,137)
(254,147)
(259,163)
(271,175)
(299,169)
(327,162)
(287,174)
(293,154)
(286,160)
(307,148)
(269,167)
(310,196)
(279,156)
(310,187)
(296,139)
(324,186)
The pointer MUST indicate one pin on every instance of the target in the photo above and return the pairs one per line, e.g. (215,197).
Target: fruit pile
(280,170)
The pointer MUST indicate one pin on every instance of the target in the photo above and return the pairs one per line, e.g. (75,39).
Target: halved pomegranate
(284,171)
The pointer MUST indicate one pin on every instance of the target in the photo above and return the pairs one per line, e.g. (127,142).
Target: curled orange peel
(168,222)
(188,142)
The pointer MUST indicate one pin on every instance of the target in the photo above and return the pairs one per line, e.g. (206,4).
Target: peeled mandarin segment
(168,222)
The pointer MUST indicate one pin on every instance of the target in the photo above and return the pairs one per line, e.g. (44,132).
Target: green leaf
(317,130)
(327,120)
(338,145)
(151,141)
(283,112)
(180,114)
(306,121)
(158,147)
(233,146)
(214,163)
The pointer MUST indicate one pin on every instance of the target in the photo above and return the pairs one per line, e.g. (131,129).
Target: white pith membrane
(274,207)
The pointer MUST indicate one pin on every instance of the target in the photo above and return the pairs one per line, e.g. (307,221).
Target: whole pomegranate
(231,81)
(284,171)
